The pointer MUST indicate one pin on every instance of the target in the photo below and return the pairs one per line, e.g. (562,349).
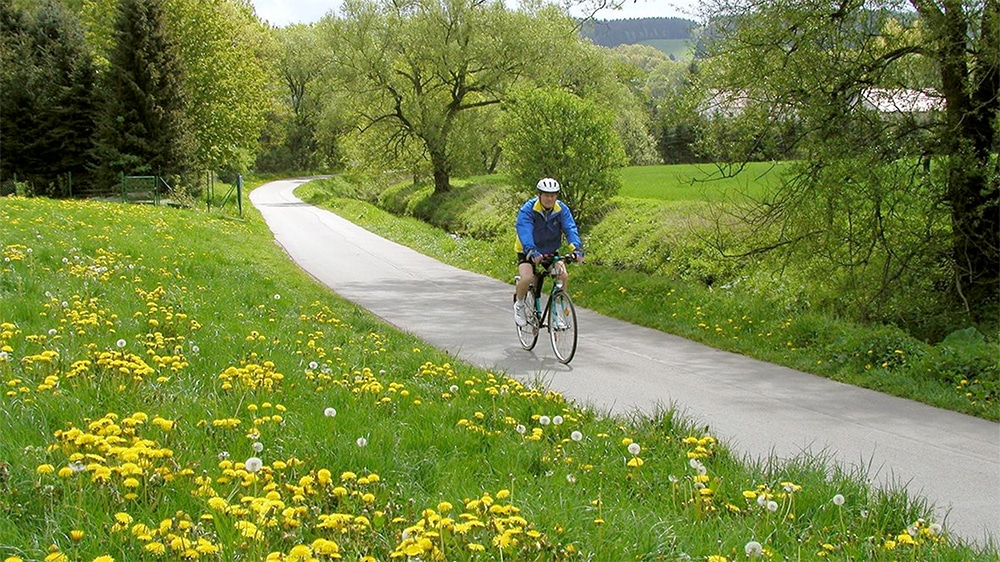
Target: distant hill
(611,33)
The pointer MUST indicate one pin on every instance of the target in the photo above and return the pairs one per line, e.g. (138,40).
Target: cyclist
(541,224)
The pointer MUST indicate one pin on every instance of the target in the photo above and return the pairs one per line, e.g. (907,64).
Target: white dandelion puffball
(557,420)
(362,442)
(762,500)
(253,464)
(313,365)
(576,436)
(634,449)
(453,388)
(121,343)
(277,297)
(257,446)
(571,478)
(330,412)
(53,331)
(753,548)
(772,506)
(544,420)
(520,429)
(838,500)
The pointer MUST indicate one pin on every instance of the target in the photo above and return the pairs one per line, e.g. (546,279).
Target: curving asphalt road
(758,409)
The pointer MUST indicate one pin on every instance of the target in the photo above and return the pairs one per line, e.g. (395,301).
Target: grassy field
(700,182)
(681,49)
(176,389)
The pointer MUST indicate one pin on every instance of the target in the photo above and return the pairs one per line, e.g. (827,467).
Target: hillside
(611,33)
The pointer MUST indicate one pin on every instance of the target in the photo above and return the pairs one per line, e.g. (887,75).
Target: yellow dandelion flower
(104,558)
(56,557)
(45,469)
(76,535)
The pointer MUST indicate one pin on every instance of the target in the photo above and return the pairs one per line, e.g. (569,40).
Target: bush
(553,133)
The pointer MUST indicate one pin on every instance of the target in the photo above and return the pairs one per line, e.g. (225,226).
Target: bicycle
(558,316)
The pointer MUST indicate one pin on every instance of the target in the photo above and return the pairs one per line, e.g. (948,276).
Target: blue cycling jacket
(541,231)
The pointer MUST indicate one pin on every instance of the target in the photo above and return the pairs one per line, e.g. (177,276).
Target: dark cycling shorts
(523,258)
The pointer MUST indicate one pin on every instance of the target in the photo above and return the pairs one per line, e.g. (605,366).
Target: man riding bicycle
(541,224)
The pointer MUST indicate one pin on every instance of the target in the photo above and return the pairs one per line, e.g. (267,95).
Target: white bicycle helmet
(548,185)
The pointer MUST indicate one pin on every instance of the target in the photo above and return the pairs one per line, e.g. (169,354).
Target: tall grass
(175,389)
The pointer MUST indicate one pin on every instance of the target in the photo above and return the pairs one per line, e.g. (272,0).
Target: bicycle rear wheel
(528,334)
(562,327)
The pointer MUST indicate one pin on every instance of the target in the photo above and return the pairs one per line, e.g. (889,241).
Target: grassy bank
(175,389)
(642,237)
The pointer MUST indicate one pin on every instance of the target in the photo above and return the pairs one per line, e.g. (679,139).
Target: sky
(284,12)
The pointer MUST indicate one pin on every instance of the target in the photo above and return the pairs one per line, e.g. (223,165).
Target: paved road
(756,408)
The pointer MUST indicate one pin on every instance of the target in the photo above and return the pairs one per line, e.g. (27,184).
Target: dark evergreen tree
(142,128)
(47,107)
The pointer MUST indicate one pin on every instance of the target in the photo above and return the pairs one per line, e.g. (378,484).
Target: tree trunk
(973,191)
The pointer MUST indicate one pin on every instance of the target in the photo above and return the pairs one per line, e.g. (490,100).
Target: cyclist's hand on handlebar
(535,256)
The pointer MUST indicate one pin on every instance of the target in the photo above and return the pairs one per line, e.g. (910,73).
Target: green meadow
(176,389)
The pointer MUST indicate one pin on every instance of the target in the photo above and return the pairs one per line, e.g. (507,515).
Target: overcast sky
(284,12)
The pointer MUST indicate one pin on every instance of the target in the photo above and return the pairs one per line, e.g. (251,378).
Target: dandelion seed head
(257,446)
(576,436)
(634,449)
(121,343)
(520,429)
(330,412)
(223,455)
(362,442)
(277,297)
(838,499)
(313,365)
(195,349)
(544,420)
(453,388)
(772,506)
(571,478)
(253,464)
(753,548)
(557,420)
(53,331)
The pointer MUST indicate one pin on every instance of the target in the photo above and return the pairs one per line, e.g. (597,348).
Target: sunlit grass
(175,389)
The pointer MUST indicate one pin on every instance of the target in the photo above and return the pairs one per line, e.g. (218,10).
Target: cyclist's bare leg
(527,273)
(561,274)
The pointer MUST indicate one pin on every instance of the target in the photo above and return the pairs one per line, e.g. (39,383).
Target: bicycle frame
(561,325)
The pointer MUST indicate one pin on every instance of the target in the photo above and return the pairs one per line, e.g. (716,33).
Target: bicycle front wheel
(562,327)
(528,334)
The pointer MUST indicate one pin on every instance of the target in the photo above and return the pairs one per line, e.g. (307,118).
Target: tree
(227,86)
(886,190)
(299,65)
(553,133)
(412,67)
(143,126)
(47,107)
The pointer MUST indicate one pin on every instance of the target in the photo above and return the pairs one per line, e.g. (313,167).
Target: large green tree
(411,68)
(143,128)
(47,104)
(224,51)
(895,106)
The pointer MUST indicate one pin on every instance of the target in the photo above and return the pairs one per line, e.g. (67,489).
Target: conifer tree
(142,129)
(47,111)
